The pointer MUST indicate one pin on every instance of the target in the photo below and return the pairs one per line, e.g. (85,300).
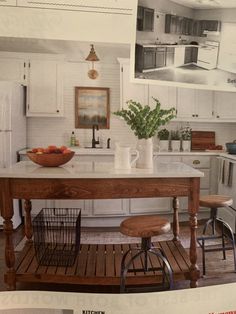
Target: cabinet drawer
(197,161)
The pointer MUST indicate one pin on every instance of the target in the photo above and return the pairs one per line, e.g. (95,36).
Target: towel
(221,171)
(228,173)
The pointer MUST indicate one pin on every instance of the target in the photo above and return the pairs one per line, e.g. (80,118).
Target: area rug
(90,237)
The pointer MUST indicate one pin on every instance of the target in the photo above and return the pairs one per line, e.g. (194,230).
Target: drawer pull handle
(196,162)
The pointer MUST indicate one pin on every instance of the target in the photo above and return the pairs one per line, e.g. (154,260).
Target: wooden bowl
(50,160)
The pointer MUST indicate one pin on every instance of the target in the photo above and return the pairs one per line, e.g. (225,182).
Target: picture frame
(92,107)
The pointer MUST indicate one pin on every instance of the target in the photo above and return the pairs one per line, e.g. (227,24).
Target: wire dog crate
(57,236)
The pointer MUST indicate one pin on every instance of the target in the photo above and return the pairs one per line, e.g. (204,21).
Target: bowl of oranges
(52,156)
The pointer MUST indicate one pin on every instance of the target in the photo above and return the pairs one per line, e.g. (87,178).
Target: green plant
(144,121)
(186,133)
(174,135)
(163,134)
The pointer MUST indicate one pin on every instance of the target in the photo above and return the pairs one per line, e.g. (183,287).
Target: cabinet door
(160,57)
(44,93)
(196,28)
(185,103)
(179,56)
(165,94)
(204,104)
(188,55)
(225,108)
(108,207)
(8,2)
(84,205)
(12,69)
(149,58)
(128,90)
(148,19)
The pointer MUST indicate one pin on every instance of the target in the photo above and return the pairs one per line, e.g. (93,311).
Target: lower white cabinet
(226,213)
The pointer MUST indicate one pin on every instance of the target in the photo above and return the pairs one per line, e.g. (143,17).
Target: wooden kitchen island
(97,264)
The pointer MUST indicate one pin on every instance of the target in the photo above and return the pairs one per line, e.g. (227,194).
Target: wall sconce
(93,74)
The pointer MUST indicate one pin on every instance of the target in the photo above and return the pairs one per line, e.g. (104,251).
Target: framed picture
(92,106)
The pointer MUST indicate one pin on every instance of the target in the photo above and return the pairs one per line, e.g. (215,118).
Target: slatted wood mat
(99,264)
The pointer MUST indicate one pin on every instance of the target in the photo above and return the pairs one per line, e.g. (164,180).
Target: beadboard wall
(46,131)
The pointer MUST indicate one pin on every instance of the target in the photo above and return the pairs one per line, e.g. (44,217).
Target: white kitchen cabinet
(206,164)
(225,108)
(226,213)
(8,2)
(128,90)
(194,104)
(13,69)
(165,94)
(45,88)
(84,205)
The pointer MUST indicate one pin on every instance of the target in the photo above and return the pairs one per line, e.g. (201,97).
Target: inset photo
(188,43)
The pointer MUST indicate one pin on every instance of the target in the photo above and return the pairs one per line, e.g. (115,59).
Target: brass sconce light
(93,74)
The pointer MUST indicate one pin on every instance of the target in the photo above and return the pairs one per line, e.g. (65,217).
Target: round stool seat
(215,201)
(144,226)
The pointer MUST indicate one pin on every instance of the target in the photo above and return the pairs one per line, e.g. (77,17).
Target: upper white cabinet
(165,94)
(13,69)
(194,104)
(129,90)
(8,2)
(45,88)
(225,107)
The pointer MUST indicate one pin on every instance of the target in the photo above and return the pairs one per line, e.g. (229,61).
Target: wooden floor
(218,271)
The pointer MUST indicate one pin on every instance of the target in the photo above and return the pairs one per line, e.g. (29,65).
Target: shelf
(99,264)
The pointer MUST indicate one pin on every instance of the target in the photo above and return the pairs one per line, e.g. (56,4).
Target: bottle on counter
(72,139)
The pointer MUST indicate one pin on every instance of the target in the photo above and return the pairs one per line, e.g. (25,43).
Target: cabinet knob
(196,115)
(58,110)
(196,162)
(193,115)
(217,116)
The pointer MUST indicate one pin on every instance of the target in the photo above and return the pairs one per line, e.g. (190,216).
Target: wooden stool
(214,202)
(145,227)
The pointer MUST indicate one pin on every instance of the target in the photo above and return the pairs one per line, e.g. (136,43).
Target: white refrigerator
(12,131)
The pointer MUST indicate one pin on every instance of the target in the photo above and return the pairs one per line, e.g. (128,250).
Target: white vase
(163,145)
(175,145)
(145,149)
(186,145)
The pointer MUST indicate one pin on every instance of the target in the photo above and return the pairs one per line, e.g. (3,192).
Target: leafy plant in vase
(163,136)
(145,122)
(186,138)
(175,141)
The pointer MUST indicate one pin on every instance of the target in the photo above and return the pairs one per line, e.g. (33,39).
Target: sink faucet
(94,142)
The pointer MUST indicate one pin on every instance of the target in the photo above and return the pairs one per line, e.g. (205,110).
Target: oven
(208,55)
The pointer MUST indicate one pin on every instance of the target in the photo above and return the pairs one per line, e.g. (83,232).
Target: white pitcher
(123,157)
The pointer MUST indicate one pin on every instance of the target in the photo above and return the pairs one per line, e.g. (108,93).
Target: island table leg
(193,205)
(7,214)
(175,205)
(28,220)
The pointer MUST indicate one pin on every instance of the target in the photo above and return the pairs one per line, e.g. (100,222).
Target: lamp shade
(92,55)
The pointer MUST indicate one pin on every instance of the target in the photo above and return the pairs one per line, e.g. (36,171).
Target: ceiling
(207,4)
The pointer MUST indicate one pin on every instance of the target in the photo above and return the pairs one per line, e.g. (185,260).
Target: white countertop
(75,169)
(163,45)
(104,151)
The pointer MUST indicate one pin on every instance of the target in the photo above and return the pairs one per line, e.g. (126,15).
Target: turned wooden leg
(175,205)
(28,221)
(7,214)
(193,205)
